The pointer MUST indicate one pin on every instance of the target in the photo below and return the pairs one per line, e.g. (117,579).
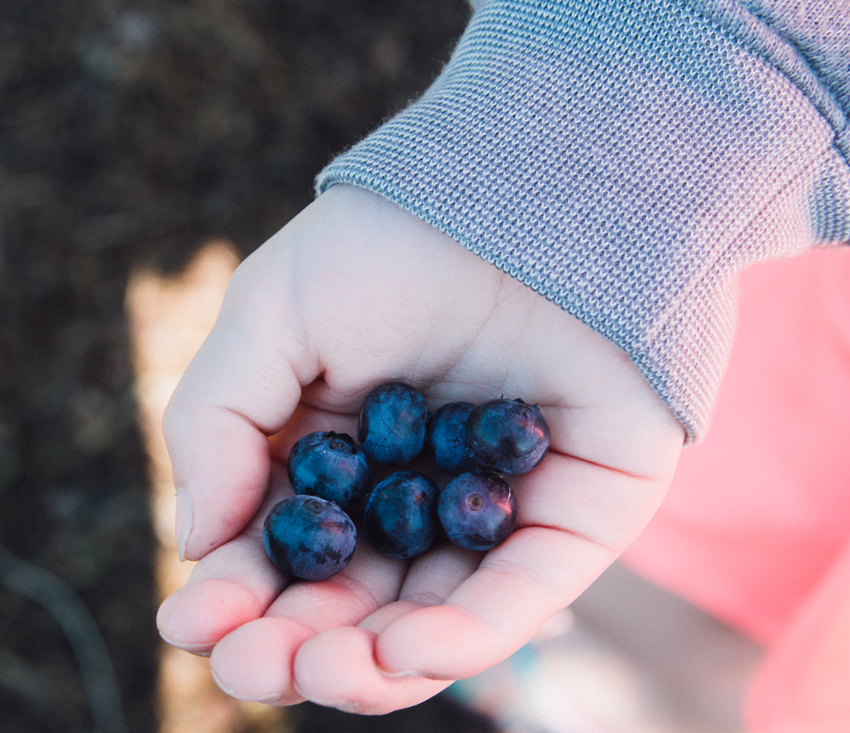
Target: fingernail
(272,699)
(185,521)
(199,650)
(346,706)
(405,673)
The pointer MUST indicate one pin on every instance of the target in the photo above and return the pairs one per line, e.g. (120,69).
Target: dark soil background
(132,132)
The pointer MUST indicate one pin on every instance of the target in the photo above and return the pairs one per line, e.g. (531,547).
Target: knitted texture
(820,31)
(624,160)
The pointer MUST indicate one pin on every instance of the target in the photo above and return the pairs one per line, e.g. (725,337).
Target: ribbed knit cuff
(624,160)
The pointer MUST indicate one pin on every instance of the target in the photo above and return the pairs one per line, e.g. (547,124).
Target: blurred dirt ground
(132,134)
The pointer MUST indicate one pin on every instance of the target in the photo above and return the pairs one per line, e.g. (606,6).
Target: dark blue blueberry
(445,441)
(329,465)
(477,509)
(392,424)
(400,518)
(508,435)
(309,537)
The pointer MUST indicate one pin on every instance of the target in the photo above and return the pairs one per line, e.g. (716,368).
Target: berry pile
(311,536)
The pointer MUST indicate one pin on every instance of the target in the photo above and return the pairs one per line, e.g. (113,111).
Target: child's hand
(352,293)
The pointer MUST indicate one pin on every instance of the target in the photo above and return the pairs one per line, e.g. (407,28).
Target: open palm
(352,293)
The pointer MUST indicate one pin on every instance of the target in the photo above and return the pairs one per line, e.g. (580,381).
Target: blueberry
(477,509)
(392,423)
(329,465)
(508,436)
(445,440)
(400,518)
(309,537)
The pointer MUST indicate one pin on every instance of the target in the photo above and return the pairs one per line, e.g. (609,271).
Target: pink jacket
(756,527)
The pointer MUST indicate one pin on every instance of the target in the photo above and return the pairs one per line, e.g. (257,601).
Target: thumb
(242,386)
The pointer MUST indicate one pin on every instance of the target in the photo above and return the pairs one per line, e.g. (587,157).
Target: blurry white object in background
(626,657)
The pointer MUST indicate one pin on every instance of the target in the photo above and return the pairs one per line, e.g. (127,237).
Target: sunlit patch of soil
(169,319)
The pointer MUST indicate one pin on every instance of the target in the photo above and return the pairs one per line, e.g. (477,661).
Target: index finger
(575,518)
